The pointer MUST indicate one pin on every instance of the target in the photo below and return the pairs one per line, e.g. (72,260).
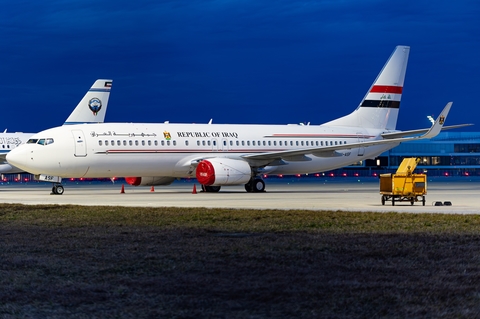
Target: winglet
(93,106)
(437,126)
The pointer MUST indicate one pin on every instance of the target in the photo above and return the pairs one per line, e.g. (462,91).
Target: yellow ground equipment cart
(403,186)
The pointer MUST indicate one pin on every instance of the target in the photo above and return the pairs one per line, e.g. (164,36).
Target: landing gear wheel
(256,185)
(57,189)
(211,189)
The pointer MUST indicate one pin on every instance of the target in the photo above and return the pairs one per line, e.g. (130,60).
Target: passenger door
(80,143)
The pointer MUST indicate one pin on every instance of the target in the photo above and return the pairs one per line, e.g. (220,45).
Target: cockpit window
(41,141)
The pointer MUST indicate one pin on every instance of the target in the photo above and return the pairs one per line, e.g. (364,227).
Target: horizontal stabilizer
(327,150)
(420,131)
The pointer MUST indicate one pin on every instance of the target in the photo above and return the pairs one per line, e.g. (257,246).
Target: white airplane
(91,109)
(224,154)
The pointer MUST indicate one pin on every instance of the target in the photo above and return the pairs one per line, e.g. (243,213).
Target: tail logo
(441,120)
(95,105)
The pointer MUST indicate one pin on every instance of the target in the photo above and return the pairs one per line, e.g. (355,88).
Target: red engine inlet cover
(134,181)
(205,173)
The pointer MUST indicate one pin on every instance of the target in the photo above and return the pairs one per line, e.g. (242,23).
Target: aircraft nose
(18,157)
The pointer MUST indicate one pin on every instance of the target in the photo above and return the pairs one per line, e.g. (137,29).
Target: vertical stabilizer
(93,107)
(380,106)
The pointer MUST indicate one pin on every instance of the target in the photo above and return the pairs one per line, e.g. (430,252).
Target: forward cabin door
(80,143)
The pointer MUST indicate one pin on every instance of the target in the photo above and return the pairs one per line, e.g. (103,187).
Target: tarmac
(338,194)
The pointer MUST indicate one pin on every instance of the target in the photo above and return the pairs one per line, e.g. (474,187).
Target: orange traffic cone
(194,189)
(122,191)
(152,189)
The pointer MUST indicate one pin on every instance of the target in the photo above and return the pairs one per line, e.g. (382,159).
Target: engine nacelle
(223,171)
(149,180)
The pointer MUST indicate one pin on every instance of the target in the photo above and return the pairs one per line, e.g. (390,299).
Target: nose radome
(18,158)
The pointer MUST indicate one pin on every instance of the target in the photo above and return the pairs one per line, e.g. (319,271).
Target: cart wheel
(383,200)
(423,200)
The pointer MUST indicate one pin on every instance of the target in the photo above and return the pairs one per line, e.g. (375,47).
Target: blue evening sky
(234,61)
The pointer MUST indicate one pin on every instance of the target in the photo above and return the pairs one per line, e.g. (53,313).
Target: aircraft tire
(59,190)
(211,189)
(258,185)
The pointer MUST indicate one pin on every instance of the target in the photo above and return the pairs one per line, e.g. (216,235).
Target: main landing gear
(255,185)
(57,189)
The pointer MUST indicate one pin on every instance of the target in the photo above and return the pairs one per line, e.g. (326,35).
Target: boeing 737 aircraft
(91,109)
(224,154)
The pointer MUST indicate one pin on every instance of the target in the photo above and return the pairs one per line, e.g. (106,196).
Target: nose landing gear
(57,189)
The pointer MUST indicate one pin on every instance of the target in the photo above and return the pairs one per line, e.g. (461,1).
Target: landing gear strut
(255,185)
(57,189)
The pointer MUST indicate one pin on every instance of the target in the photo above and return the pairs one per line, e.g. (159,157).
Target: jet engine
(149,180)
(223,171)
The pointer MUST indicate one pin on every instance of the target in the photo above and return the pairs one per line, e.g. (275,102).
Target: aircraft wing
(331,151)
